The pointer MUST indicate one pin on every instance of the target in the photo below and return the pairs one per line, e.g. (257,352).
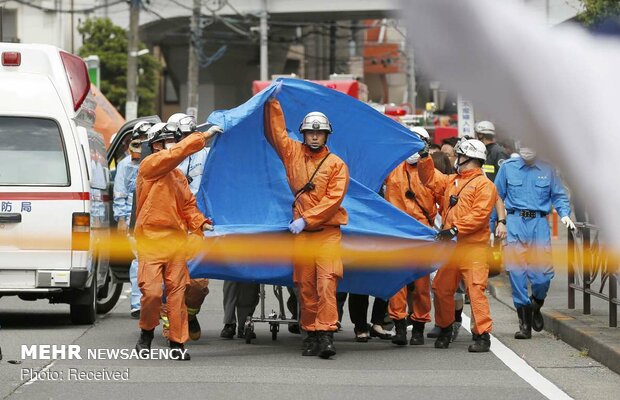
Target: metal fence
(592,270)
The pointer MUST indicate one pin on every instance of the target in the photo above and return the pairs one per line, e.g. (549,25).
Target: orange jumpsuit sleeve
(431,177)
(159,164)
(330,203)
(275,130)
(478,216)
(194,218)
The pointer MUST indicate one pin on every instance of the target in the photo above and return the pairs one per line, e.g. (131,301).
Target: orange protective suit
(399,181)
(165,212)
(316,277)
(470,215)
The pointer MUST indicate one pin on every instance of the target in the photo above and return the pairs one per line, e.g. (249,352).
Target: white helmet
(485,128)
(315,121)
(471,148)
(421,132)
(186,123)
(154,129)
(140,129)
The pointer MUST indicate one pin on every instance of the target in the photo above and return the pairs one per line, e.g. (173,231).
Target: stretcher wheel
(247,332)
(274,328)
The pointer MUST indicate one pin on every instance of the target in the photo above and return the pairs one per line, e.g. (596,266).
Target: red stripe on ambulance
(45,196)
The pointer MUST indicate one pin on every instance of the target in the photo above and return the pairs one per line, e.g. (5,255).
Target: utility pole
(193,69)
(72,28)
(264,56)
(332,48)
(131,105)
(411,82)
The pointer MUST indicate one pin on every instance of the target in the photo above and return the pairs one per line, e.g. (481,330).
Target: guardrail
(592,270)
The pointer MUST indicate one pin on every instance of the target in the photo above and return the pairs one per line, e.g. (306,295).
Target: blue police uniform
(193,167)
(124,187)
(528,193)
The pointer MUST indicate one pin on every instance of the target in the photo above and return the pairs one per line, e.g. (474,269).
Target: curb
(600,343)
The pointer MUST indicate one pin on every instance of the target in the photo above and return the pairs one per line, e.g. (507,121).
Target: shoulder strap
(457,195)
(309,185)
(415,198)
(306,186)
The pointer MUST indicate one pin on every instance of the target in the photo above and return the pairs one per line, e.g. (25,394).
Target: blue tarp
(245,191)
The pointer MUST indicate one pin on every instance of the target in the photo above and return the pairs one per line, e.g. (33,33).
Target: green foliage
(597,10)
(108,41)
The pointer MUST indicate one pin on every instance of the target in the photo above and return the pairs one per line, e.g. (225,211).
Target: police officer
(529,187)
(124,188)
(485,130)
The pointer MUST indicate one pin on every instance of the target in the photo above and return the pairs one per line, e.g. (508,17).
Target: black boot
(178,352)
(144,342)
(194,328)
(228,332)
(417,333)
(326,345)
(482,344)
(311,345)
(525,323)
(538,322)
(401,332)
(444,338)
(434,333)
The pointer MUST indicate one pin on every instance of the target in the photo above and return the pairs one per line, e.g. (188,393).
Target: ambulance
(55,188)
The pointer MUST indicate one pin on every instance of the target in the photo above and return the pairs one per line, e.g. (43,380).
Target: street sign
(466,117)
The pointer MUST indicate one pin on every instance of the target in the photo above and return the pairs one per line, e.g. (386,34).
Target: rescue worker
(468,198)
(529,187)
(319,180)
(124,188)
(165,212)
(405,191)
(496,155)
(192,167)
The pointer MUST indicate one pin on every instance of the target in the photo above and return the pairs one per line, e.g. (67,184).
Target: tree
(108,41)
(596,11)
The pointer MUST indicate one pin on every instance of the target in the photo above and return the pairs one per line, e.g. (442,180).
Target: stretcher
(274,318)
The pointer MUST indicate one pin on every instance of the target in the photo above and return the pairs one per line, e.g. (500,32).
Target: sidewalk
(590,334)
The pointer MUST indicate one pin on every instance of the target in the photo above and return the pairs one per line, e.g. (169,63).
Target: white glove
(215,129)
(277,90)
(568,223)
(207,227)
(297,226)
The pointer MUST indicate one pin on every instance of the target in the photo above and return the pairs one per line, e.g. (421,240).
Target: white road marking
(36,377)
(522,368)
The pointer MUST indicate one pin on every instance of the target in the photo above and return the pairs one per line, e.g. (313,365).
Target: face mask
(527,154)
(413,159)
(169,145)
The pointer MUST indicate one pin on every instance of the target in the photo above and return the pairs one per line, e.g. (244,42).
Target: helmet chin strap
(314,149)
(458,164)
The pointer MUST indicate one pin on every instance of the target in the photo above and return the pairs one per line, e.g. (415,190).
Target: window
(170,91)
(99,178)
(9,25)
(32,152)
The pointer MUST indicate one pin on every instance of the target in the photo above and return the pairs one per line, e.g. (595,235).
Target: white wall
(49,27)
